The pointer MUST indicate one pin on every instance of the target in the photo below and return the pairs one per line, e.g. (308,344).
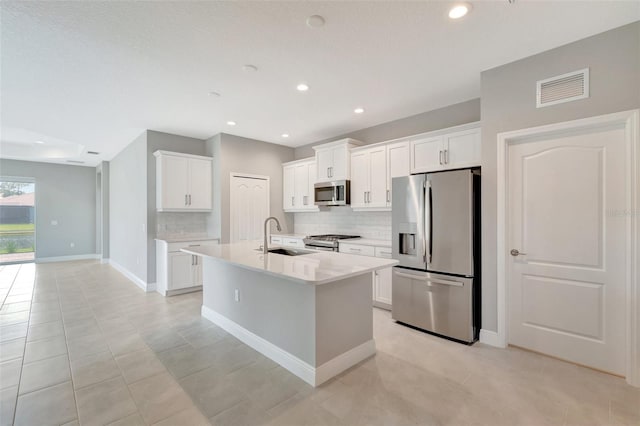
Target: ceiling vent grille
(93,152)
(563,88)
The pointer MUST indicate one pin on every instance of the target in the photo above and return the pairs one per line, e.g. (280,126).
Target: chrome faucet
(265,247)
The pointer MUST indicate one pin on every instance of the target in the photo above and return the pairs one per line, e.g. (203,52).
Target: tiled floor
(80,344)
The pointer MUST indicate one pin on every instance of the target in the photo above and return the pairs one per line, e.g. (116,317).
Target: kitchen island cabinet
(310,313)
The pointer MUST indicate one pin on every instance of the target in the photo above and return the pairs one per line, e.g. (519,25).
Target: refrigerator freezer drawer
(441,304)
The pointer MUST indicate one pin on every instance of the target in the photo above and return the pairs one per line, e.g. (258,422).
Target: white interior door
(566,290)
(249,201)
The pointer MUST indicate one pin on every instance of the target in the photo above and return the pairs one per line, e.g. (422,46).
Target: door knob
(515,252)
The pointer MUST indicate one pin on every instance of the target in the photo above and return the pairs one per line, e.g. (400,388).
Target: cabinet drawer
(357,249)
(293,242)
(276,240)
(173,247)
(384,252)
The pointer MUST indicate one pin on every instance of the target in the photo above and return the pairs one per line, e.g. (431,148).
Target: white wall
(66,194)
(509,103)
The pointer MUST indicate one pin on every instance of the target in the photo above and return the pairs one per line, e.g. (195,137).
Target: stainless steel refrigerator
(436,239)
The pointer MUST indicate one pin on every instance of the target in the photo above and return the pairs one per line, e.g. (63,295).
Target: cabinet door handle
(185,199)
(293,201)
(328,172)
(440,157)
(189,199)
(304,200)
(364,197)
(388,196)
(446,156)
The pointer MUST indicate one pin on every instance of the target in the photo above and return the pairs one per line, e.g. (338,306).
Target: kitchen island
(310,313)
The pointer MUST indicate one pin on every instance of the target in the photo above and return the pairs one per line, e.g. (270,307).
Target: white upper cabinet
(183,182)
(333,160)
(398,164)
(447,150)
(371,172)
(297,184)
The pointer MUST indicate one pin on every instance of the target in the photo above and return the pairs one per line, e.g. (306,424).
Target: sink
(289,252)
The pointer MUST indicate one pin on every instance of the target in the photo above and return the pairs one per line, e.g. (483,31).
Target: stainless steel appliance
(336,193)
(327,242)
(436,239)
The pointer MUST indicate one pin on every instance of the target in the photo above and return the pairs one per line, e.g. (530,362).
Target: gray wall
(509,103)
(242,155)
(449,116)
(128,207)
(63,193)
(165,142)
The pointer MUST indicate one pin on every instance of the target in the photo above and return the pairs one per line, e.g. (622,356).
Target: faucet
(265,247)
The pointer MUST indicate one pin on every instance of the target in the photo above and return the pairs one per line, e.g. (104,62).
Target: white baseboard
(313,376)
(104,260)
(344,361)
(133,277)
(490,338)
(67,258)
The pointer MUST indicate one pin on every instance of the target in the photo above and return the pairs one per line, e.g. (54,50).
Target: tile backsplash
(181,224)
(343,220)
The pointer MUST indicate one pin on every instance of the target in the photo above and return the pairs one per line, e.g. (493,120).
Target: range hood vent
(563,88)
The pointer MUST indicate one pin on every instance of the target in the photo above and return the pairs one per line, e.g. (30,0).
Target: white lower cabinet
(176,271)
(381,282)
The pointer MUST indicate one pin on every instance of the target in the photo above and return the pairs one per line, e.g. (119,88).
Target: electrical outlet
(54,222)
(72,245)
(237,295)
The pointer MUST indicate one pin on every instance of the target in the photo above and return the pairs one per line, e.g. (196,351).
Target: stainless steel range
(328,242)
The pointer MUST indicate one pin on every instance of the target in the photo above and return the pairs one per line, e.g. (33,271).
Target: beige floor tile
(10,373)
(14,318)
(77,315)
(44,373)
(54,405)
(45,348)
(132,420)
(93,369)
(105,402)
(15,307)
(243,413)
(45,316)
(159,397)
(213,392)
(121,344)
(11,349)
(189,417)
(14,331)
(44,331)
(139,365)
(162,339)
(8,398)
(83,328)
(86,345)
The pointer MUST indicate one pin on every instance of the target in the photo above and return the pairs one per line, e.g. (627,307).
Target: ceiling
(92,76)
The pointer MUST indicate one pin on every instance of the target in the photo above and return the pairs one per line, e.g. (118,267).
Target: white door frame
(231,196)
(629,120)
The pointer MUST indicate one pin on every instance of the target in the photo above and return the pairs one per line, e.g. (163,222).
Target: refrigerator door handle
(428,240)
(430,280)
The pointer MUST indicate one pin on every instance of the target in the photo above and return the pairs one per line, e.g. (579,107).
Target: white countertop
(320,267)
(367,242)
(182,238)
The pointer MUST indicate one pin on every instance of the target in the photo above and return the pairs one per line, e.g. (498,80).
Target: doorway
(17,220)
(249,206)
(567,242)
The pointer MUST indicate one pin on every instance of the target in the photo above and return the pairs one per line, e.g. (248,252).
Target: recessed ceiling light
(39,142)
(358,110)
(231,123)
(315,21)
(249,68)
(302,87)
(459,10)
(285,135)
(214,94)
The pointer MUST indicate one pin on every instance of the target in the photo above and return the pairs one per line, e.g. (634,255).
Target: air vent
(93,152)
(563,88)
(75,161)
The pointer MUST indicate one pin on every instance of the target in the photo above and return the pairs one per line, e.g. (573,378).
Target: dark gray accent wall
(66,194)
(449,116)
(165,142)
(508,96)
(242,155)
(128,207)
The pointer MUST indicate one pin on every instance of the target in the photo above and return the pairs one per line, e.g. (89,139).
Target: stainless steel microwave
(336,193)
